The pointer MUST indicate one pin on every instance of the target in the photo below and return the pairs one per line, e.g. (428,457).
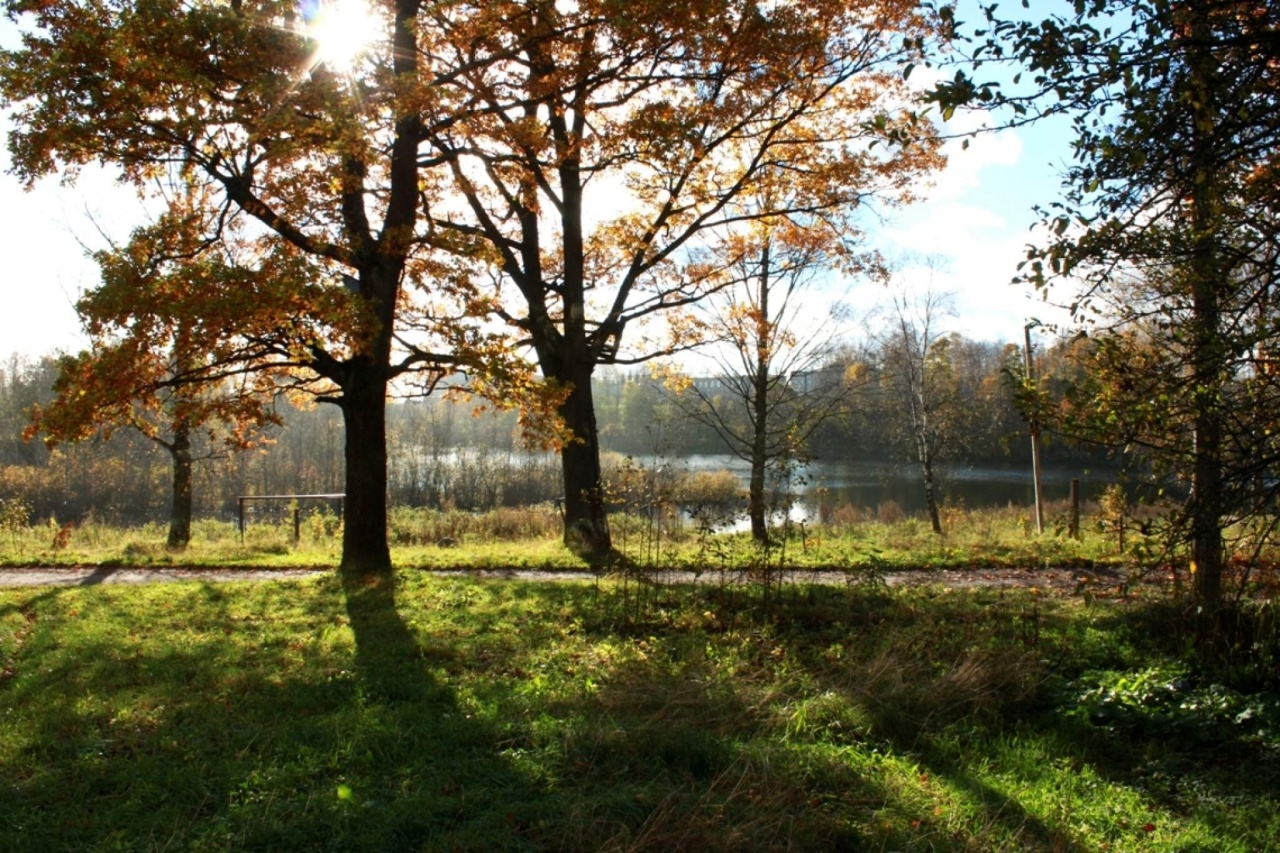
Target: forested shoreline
(444,453)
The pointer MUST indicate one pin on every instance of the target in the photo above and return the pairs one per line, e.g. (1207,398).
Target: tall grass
(651,533)
(654,534)
(419,526)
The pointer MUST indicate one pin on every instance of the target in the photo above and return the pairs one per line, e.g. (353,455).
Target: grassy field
(457,714)
(530,538)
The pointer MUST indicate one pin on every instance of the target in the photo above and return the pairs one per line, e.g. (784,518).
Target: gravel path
(1049,579)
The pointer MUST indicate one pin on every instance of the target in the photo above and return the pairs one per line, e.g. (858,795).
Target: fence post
(240,501)
(297,525)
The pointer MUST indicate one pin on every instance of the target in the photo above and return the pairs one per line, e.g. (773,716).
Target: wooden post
(297,525)
(240,501)
(1075,508)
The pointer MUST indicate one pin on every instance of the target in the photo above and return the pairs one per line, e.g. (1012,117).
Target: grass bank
(451,713)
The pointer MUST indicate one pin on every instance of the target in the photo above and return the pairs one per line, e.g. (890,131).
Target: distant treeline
(441,454)
(637,414)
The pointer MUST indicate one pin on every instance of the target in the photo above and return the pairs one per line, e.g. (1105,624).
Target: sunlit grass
(508,715)
(529,538)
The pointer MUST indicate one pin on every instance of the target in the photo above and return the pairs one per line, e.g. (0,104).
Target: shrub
(889,512)
(15,518)
(713,498)
(847,515)
(709,487)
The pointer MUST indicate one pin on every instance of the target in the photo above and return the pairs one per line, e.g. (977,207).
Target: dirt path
(1048,579)
(48,576)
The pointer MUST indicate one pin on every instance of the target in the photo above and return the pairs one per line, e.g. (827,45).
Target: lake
(869,484)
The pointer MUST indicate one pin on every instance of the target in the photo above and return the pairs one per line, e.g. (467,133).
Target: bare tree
(776,376)
(917,371)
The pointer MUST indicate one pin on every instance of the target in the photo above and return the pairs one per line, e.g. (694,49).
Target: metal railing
(340,497)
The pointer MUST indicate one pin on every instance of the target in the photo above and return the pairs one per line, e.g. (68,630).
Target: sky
(975,224)
(973,221)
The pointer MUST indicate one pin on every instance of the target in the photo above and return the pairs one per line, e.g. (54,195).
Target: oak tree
(316,166)
(598,144)
(158,359)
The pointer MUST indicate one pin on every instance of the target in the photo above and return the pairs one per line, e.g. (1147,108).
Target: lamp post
(1035,428)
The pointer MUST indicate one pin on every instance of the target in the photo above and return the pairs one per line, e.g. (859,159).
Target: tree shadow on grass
(734,764)
(333,714)
(996,812)
(388,660)
(709,769)
(943,680)
(222,718)
(23,602)
(1197,740)
(883,699)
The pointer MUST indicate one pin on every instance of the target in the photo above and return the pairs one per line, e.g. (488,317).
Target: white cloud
(972,228)
(46,235)
(965,164)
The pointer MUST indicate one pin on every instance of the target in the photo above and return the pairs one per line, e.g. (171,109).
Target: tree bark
(180,509)
(1206,344)
(1207,480)
(760,405)
(931,494)
(586,524)
(364,530)
(756,502)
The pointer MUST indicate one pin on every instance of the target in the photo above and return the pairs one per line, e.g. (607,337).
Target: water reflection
(867,485)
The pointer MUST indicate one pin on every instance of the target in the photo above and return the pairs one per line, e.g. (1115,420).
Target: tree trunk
(364,528)
(1206,362)
(1206,499)
(586,524)
(925,450)
(931,494)
(180,510)
(760,404)
(756,502)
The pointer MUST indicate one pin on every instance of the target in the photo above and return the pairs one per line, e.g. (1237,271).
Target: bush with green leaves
(1170,700)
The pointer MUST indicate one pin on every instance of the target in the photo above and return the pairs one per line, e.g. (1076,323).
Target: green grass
(529,538)
(452,713)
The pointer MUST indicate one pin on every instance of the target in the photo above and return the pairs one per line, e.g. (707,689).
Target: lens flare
(343,30)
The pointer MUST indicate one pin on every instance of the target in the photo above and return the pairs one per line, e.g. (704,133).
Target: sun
(342,31)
